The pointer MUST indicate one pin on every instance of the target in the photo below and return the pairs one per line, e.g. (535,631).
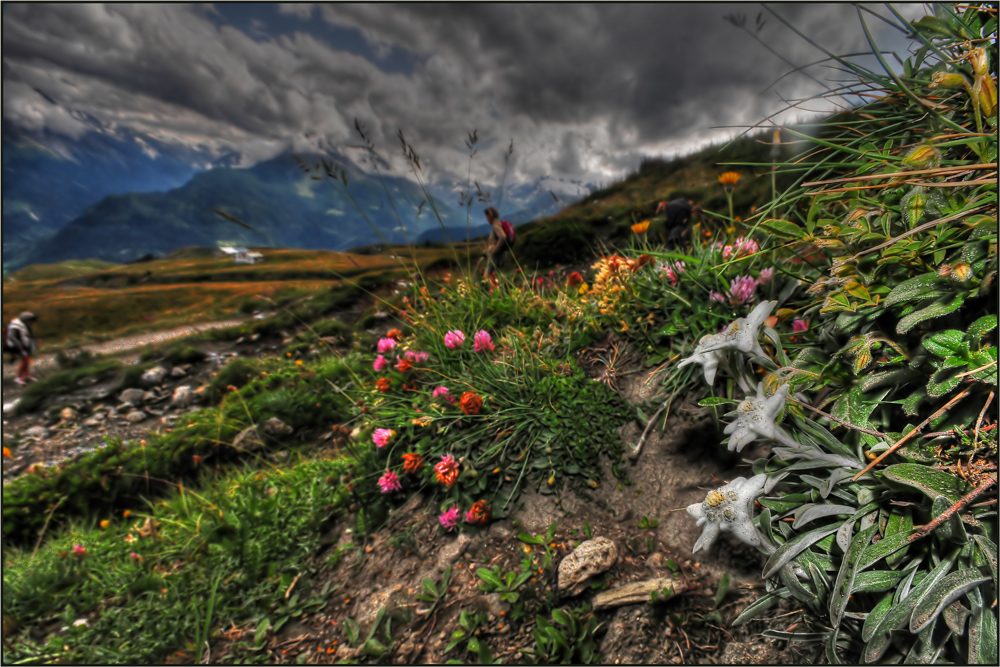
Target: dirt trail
(125,344)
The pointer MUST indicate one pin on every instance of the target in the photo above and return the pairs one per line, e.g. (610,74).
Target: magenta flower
(741,290)
(380,361)
(454,339)
(727,252)
(135,557)
(386,345)
(389,482)
(482,341)
(799,325)
(79,551)
(450,518)
(417,357)
(440,391)
(716,297)
(746,247)
(381,436)
(765,275)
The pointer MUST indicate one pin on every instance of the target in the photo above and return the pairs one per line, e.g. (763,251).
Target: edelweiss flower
(728,509)
(741,335)
(756,418)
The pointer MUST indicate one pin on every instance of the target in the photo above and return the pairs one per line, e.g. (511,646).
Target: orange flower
(447,470)
(105,523)
(394,334)
(404,365)
(298,362)
(412,463)
(479,514)
(6,452)
(196,459)
(126,514)
(643,260)
(730,178)
(641,227)
(574,279)
(383,384)
(471,403)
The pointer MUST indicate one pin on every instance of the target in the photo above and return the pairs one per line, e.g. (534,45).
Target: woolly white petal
(707,538)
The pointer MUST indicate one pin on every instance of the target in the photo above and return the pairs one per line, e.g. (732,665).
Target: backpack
(7,348)
(508,231)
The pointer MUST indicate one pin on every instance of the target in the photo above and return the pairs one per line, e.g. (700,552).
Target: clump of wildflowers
(386,345)
(741,290)
(389,482)
(447,470)
(479,514)
(449,519)
(471,403)
(454,339)
(381,436)
(412,463)
(482,341)
(383,384)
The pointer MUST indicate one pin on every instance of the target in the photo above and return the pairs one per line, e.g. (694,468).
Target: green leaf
(987,358)
(983,325)
(714,400)
(982,637)
(931,482)
(530,539)
(818,512)
(876,581)
(783,228)
(876,551)
(900,522)
(845,576)
(756,608)
(875,616)
(920,287)
(561,617)
(952,529)
(722,590)
(955,615)
(943,593)
(942,306)
(258,637)
(945,343)
(912,401)
(490,577)
(989,552)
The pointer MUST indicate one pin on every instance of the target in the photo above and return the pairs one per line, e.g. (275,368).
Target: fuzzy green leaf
(945,343)
(943,593)
(876,581)
(920,287)
(983,325)
(931,482)
(783,228)
(756,608)
(845,576)
(942,306)
(875,616)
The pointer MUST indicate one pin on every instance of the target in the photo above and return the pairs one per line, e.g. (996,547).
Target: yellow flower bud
(961,272)
(924,156)
(947,80)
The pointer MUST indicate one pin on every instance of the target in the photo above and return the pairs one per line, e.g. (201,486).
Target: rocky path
(122,346)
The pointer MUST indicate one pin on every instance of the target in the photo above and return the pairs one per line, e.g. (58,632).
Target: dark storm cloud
(585,90)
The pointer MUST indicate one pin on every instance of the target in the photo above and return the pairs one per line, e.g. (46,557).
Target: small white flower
(728,509)
(709,360)
(741,334)
(755,417)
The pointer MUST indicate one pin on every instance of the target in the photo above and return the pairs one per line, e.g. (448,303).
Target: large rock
(37,432)
(136,416)
(153,376)
(132,396)
(589,559)
(276,428)
(183,396)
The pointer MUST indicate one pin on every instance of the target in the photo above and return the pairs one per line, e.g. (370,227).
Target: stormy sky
(584,90)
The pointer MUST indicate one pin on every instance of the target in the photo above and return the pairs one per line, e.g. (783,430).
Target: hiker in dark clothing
(20,341)
(501,238)
(675,224)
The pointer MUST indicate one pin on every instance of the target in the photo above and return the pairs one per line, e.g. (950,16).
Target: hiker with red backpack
(19,340)
(501,240)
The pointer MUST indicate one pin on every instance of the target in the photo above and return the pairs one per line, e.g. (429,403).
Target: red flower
(447,470)
(383,384)
(574,279)
(412,463)
(404,365)
(471,403)
(479,514)
(394,334)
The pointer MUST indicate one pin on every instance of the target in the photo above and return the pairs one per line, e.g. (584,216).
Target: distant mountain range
(119,196)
